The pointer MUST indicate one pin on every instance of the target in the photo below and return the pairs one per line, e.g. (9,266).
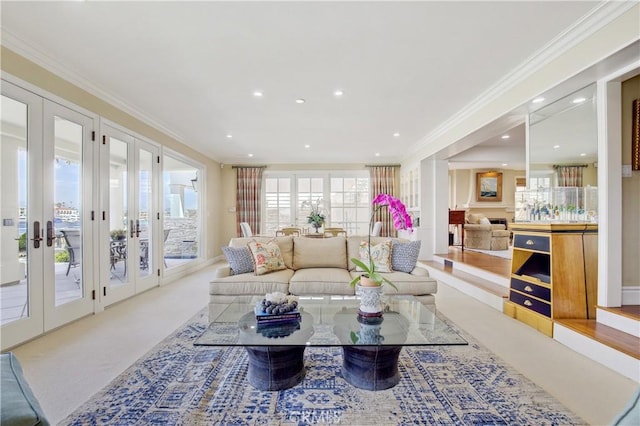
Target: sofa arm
(420,271)
(477,227)
(498,227)
(222,271)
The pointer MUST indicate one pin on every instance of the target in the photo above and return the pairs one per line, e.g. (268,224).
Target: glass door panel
(144,232)
(66,227)
(66,210)
(21,278)
(13,201)
(118,212)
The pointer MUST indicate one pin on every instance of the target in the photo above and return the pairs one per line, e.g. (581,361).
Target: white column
(434,207)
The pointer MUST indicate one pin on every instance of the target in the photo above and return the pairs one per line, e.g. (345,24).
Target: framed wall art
(489,186)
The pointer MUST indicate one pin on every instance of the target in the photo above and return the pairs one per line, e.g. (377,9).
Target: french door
(130,220)
(46,268)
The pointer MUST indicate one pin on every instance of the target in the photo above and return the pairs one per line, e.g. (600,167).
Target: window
(343,198)
(182,211)
(277,204)
(350,204)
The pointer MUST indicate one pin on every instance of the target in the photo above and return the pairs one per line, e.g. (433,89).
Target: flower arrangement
(316,218)
(401,220)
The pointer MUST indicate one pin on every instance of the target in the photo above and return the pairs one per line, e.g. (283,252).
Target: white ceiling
(191,68)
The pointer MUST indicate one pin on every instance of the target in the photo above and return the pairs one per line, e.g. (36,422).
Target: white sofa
(315,266)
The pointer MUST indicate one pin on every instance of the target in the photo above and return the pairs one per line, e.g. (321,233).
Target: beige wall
(463,193)
(630,192)
(26,70)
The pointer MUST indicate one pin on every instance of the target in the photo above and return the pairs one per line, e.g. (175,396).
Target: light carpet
(177,383)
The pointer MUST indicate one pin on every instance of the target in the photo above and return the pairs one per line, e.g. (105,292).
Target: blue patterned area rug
(177,383)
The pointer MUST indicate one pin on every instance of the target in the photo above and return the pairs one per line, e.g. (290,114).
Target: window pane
(181,182)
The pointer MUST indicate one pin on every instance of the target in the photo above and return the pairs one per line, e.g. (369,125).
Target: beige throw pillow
(380,253)
(266,257)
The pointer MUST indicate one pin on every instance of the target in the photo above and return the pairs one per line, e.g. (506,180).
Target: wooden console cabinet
(553,273)
(457,217)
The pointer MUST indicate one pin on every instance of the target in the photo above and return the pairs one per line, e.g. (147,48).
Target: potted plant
(118,234)
(316,218)
(369,284)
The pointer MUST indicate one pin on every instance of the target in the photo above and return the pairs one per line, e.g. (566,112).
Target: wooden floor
(494,264)
(611,337)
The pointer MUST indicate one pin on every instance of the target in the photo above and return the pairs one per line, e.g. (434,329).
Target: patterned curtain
(383,181)
(569,175)
(248,198)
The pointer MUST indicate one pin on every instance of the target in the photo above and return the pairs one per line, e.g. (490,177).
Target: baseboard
(630,295)
(617,361)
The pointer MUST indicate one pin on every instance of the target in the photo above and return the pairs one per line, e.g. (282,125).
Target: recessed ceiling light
(505,136)
(556,146)
(300,101)
(229,136)
(250,155)
(307,146)
(583,154)
(338,93)
(537,100)
(257,94)
(504,164)
(377,154)
(579,100)
(396,134)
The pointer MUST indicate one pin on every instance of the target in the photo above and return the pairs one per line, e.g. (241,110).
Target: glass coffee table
(371,347)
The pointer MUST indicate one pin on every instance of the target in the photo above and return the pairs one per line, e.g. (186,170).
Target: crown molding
(29,52)
(600,16)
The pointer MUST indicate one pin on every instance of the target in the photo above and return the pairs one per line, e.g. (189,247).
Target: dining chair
(289,231)
(334,232)
(246,229)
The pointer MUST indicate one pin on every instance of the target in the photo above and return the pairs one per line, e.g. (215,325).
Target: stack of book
(263,318)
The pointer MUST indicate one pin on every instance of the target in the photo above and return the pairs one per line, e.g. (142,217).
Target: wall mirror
(564,132)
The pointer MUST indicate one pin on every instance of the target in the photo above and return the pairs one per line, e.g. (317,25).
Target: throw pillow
(239,259)
(266,257)
(380,253)
(405,256)
(485,221)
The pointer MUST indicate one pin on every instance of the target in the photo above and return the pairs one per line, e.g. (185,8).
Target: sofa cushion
(404,256)
(380,253)
(285,244)
(266,257)
(319,252)
(321,281)
(251,284)
(19,405)
(239,259)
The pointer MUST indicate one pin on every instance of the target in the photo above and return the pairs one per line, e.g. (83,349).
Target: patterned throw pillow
(239,259)
(381,254)
(405,256)
(266,257)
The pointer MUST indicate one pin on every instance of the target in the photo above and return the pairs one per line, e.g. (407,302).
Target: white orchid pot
(370,300)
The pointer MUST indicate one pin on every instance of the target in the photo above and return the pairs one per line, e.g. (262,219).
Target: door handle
(132,229)
(36,235)
(50,234)
(137,228)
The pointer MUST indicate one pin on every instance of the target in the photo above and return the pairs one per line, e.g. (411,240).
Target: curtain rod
(555,166)
(248,167)
(382,165)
